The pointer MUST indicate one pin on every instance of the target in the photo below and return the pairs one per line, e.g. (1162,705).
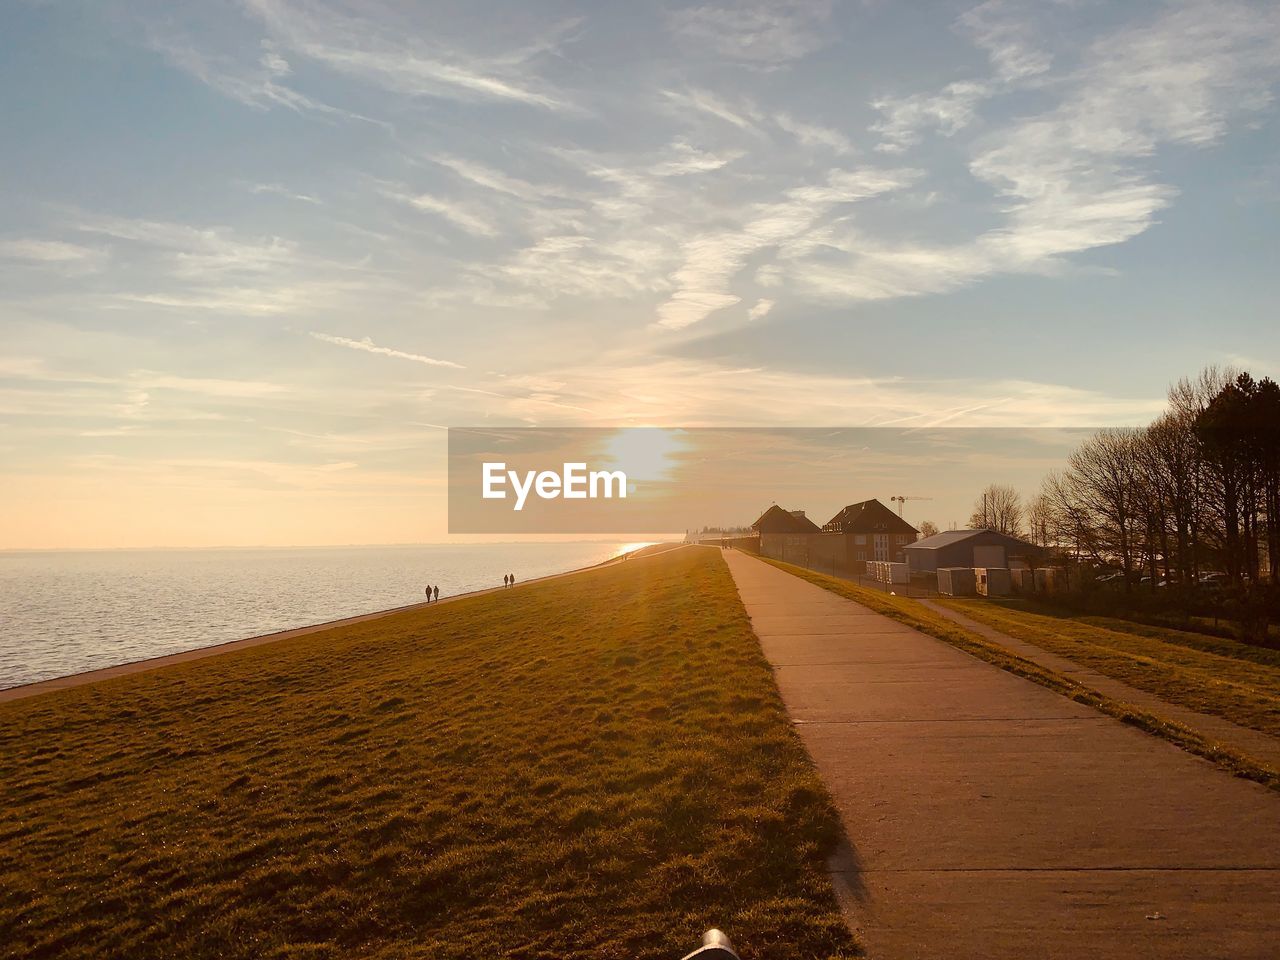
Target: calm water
(67,612)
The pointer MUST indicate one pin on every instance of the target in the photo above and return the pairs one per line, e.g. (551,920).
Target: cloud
(195,252)
(760,310)
(206,386)
(246,301)
(686,159)
(906,119)
(40,257)
(813,135)
(712,260)
(1010,36)
(33,250)
(620,390)
(1074,176)
(362,47)
(708,103)
(368,346)
(490,179)
(458,214)
(282,191)
(765,34)
(1009,33)
(257,84)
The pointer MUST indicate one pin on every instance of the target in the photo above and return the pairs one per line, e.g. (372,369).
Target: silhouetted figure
(506,580)
(511,578)
(437,590)
(428,593)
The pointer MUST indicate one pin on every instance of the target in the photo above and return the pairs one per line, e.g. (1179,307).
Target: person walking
(505,582)
(511,578)
(437,590)
(428,593)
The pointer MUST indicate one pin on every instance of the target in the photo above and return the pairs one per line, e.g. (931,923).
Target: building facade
(872,532)
(785,534)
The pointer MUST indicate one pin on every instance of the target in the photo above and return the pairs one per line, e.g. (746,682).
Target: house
(784,534)
(971,548)
(872,532)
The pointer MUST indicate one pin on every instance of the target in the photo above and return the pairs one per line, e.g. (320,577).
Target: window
(860,539)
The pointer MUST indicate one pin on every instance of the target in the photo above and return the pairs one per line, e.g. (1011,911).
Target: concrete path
(1255,744)
(990,818)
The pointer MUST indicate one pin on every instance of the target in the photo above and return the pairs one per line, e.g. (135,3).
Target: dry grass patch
(598,766)
(1208,674)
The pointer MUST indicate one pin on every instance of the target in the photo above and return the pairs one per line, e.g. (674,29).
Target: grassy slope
(1208,674)
(596,766)
(911,613)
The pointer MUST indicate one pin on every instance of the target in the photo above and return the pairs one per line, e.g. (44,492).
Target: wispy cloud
(456,213)
(368,346)
(813,135)
(685,159)
(35,250)
(194,251)
(1010,35)
(906,119)
(708,103)
(257,83)
(361,47)
(764,34)
(279,190)
(484,176)
(712,260)
(1078,175)
(59,256)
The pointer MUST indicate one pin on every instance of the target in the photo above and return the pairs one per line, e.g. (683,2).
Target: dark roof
(948,537)
(777,520)
(869,516)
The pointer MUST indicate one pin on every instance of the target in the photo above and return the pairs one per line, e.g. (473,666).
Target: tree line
(1195,491)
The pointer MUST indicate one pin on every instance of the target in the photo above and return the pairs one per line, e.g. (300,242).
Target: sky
(256,256)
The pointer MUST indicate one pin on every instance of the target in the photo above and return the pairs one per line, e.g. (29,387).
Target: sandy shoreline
(25,690)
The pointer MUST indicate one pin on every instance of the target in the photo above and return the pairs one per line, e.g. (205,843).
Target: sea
(65,612)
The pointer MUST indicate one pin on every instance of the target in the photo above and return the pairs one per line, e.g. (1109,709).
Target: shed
(970,548)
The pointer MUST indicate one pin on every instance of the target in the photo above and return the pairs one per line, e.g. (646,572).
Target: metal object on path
(715,946)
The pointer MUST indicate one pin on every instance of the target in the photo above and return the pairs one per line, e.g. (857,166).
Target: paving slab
(989,817)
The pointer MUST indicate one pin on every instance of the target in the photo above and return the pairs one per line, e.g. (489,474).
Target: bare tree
(1103,483)
(1041,521)
(998,508)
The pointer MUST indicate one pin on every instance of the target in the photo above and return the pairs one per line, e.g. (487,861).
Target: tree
(928,529)
(1239,434)
(1041,520)
(999,508)
(1103,484)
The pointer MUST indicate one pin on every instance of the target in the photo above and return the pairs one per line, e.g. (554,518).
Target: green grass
(597,766)
(1208,674)
(913,614)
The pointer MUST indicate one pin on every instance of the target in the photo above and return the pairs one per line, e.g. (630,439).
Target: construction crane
(901,500)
